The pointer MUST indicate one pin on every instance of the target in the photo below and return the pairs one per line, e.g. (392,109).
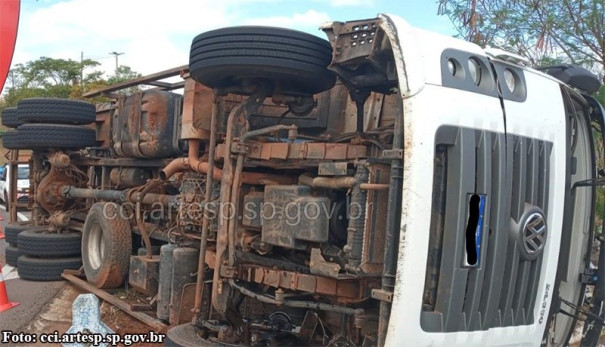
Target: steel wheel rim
(96,246)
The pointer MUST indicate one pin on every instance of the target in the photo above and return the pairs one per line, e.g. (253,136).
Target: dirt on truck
(386,186)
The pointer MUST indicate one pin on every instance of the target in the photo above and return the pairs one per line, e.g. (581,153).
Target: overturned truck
(388,186)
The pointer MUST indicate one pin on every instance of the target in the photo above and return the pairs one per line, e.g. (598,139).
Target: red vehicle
(9,21)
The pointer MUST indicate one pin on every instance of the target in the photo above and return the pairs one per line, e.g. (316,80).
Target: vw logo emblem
(533,237)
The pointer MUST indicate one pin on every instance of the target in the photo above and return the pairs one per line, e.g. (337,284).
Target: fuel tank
(147,125)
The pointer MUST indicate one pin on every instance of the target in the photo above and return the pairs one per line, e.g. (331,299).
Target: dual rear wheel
(44,123)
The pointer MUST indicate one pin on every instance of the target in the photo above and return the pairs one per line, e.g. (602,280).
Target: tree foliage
(58,78)
(124,73)
(47,77)
(544,31)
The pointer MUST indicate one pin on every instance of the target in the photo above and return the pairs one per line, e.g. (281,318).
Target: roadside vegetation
(57,78)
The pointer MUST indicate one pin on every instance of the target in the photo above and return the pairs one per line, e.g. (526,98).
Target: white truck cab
(493,248)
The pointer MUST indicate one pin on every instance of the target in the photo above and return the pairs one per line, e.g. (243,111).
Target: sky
(155,35)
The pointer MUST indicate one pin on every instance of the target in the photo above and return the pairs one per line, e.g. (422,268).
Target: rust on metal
(345,290)
(237,125)
(59,160)
(176,165)
(142,80)
(50,190)
(186,314)
(58,220)
(320,266)
(142,275)
(102,123)
(204,252)
(197,111)
(300,151)
(156,112)
(194,163)
(374,238)
(147,123)
(328,182)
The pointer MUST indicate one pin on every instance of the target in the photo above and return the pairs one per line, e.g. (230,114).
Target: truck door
(578,221)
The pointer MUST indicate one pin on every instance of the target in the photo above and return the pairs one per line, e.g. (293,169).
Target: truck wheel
(106,246)
(56,111)
(44,136)
(9,118)
(11,231)
(184,335)
(45,243)
(13,140)
(297,61)
(41,269)
(12,253)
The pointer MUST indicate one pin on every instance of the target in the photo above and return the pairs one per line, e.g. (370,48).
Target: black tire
(13,140)
(44,243)
(298,61)
(56,111)
(12,253)
(44,136)
(185,335)
(106,246)
(11,231)
(9,118)
(41,269)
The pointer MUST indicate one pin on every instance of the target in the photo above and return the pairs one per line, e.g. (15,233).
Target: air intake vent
(507,176)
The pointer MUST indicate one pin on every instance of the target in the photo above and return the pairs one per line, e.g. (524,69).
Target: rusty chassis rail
(199,283)
(149,79)
(231,180)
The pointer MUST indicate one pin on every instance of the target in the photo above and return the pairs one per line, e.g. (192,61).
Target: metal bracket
(319,266)
(382,295)
(332,169)
(228,272)
(392,154)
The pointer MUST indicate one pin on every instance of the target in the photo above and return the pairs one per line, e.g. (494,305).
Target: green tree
(544,31)
(47,77)
(124,73)
(59,78)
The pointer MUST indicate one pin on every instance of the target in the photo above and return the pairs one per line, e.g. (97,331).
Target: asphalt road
(31,296)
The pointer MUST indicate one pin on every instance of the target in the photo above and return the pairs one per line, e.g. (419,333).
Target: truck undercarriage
(274,228)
